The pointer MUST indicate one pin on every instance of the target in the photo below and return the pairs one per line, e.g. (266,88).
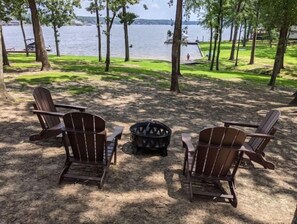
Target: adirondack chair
(85,135)
(264,133)
(218,148)
(46,111)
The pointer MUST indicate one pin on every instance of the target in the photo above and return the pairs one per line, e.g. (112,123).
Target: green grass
(75,90)
(157,72)
(49,77)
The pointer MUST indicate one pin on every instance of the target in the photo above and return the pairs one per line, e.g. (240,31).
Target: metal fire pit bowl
(151,135)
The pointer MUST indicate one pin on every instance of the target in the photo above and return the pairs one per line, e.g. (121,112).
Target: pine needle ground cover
(144,187)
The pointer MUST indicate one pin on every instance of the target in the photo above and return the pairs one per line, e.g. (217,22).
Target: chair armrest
(80,108)
(241,124)
(187,143)
(247,148)
(48,113)
(117,134)
(260,135)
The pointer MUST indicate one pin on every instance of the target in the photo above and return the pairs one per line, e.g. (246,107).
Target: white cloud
(156,6)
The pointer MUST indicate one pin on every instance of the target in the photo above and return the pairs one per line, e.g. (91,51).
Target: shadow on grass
(46,79)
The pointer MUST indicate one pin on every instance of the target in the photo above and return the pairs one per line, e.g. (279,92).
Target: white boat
(31,46)
(184,39)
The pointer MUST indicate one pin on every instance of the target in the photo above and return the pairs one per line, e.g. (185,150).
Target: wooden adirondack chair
(85,135)
(259,140)
(47,114)
(218,148)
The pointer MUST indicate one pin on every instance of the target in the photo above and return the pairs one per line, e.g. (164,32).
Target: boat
(31,46)
(184,39)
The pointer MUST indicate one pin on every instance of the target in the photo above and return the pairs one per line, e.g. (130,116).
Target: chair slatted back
(266,127)
(44,101)
(87,136)
(216,151)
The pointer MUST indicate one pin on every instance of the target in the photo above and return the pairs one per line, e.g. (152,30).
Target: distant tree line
(92,20)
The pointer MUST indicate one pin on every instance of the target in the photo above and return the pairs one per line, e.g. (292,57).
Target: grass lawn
(156,72)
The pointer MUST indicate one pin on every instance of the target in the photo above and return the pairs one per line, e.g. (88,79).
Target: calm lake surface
(147,40)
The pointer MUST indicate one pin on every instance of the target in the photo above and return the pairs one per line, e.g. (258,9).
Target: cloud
(156,6)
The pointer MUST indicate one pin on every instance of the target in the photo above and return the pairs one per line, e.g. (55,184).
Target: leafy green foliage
(5,9)
(95,5)
(129,18)
(58,13)
(19,9)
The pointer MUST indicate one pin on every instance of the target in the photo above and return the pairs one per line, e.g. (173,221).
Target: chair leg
(35,137)
(100,186)
(190,191)
(41,135)
(115,157)
(184,166)
(64,171)
(258,158)
(233,192)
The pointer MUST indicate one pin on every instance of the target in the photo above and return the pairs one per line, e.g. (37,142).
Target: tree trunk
(231,31)
(37,47)
(282,66)
(175,54)
(253,51)
(107,60)
(220,21)
(56,33)
(4,52)
(285,49)
(39,41)
(238,9)
(126,35)
(248,33)
(214,48)
(210,42)
(279,55)
(3,92)
(178,54)
(109,23)
(98,31)
(234,42)
(244,34)
(24,35)
(270,43)
(238,44)
(252,58)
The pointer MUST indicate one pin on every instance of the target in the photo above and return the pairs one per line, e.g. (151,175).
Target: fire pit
(151,135)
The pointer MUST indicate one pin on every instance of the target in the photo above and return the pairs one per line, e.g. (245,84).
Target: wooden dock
(18,51)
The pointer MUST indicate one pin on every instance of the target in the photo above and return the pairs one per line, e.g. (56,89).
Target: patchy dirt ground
(145,188)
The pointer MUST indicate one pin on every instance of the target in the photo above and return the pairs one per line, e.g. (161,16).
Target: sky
(157,9)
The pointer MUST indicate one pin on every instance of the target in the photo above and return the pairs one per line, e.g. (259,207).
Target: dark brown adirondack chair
(47,114)
(259,140)
(85,135)
(218,148)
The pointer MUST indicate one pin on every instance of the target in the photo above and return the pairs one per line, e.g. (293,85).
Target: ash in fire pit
(151,135)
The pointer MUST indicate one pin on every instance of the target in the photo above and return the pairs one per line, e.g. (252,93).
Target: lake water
(147,40)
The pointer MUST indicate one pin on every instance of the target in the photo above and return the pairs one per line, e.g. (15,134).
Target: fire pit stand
(151,135)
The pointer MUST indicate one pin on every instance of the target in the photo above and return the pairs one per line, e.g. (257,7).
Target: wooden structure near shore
(18,51)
